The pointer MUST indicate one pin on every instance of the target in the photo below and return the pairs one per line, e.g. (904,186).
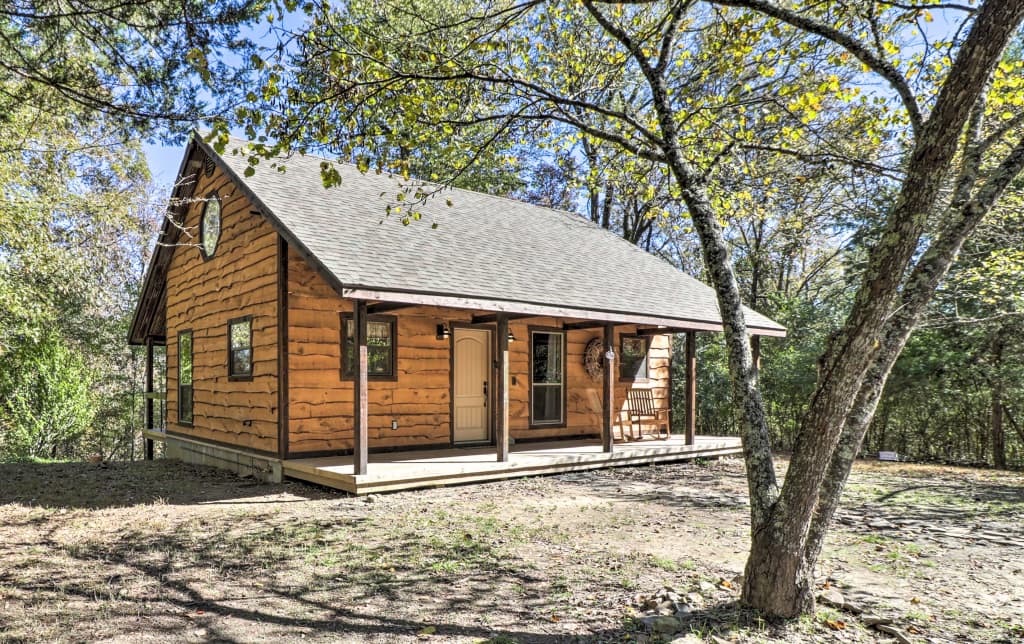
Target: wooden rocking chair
(639,408)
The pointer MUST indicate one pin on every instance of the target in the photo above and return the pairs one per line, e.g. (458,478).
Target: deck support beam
(608,399)
(148,398)
(501,393)
(360,412)
(691,387)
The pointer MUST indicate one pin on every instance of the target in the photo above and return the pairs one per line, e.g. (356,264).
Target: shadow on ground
(120,484)
(221,581)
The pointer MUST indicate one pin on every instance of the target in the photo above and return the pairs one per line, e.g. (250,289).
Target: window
(240,348)
(633,357)
(547,378)
(209,226)
(380,347)
(185,377)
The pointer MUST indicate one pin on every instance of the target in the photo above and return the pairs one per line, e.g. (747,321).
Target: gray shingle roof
(483,247)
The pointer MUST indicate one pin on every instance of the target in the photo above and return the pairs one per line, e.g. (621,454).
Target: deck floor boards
(418,469)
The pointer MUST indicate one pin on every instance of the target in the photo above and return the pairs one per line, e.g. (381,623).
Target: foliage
(142,64)
(73,219)
(47,401)
(969,356)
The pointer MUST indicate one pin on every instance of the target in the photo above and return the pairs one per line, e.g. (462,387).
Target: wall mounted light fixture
(442,332)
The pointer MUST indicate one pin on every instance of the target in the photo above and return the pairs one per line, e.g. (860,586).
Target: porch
(421,469)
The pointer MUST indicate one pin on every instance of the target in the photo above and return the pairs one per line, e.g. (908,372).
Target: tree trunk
(921,285)
(771,560)
(820,464)
(998,435)
(778,577)
(606,207)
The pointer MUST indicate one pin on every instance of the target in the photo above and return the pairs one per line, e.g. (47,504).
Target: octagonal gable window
(209,227)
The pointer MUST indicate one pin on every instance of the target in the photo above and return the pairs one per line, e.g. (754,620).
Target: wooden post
(283,350)
(148,397)
(755,351)
(360,398)
(501,394)
(608,399)
(691,387)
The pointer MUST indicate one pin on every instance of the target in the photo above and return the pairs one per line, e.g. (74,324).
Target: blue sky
(163,161)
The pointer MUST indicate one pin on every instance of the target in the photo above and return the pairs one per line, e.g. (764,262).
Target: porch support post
(501,393)
(755,350)
(608,400)
(360,413)
(148,398)
(691,387)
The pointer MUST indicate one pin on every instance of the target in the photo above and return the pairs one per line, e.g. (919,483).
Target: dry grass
(167,552)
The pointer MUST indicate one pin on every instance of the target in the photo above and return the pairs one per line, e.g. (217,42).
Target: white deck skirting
(393,471)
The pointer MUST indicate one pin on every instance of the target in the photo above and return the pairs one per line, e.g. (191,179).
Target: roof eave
(136,336)
(547,310)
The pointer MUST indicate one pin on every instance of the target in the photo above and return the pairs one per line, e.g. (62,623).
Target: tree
(73,219)
(80,82)
(46,401)
(145,64)
(688,86)
(968,355)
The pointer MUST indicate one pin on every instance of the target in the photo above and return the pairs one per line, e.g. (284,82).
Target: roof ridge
(441,187)
(574,216)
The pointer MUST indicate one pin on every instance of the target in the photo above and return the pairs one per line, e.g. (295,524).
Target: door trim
(491,329)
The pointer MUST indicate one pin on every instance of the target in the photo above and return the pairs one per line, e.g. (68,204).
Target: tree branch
(879,65)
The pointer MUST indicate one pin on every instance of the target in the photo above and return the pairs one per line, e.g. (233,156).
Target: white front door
(471,386)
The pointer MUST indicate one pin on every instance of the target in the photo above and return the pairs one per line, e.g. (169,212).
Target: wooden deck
(418,469)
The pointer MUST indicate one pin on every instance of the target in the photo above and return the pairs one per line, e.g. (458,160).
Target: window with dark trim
(240,348)
(185,377)
(633,357)
(547,378)
(209,226)
(380,347)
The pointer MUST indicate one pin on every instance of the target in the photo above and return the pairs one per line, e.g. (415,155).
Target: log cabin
(309,332)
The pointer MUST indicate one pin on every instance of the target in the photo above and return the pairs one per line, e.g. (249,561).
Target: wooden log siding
(320,403)
(240,279)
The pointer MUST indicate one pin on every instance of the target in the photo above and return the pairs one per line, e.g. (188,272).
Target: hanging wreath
(593,356)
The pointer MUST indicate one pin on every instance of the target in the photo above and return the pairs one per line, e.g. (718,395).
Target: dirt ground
(166,552)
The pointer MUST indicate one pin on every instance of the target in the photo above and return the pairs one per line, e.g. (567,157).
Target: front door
(471,384)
